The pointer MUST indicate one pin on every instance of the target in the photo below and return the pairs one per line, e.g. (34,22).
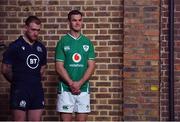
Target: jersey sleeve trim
(60,60)
(91,58)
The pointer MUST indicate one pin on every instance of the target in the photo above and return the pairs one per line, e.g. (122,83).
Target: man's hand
(75,87)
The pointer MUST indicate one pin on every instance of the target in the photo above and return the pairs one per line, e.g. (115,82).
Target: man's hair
(31,19)
(74,12)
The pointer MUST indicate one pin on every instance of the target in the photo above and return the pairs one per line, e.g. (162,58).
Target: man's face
(76,23)
(32,31)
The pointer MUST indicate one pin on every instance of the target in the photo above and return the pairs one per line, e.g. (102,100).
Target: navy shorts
(27,98)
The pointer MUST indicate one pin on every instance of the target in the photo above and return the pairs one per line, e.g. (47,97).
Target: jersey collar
(75,37)
(23,39)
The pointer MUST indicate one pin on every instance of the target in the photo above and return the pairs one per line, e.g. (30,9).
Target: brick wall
(164,61)
(131,42)
(177,59)
(141,60)
(103,25)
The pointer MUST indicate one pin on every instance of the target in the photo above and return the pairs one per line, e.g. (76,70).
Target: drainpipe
(171,60)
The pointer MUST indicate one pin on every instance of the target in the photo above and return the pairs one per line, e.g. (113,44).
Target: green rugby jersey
(75,54)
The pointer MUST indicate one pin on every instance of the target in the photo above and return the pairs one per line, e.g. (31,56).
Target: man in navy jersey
(23,65)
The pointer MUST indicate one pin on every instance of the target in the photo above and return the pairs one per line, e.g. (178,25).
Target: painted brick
(13,20)
(103,84)
(25,3)
(76,2)
(53,2)
(103,96)
(176,58)
(102,2)
(164,56)
(135,23)
(13,32)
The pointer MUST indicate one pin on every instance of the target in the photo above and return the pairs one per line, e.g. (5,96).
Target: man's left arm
(87,74)
(43,62)
(42,71)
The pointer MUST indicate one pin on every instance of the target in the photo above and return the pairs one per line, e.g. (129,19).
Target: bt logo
(32,61)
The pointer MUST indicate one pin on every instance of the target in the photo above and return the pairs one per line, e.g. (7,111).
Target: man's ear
(25,28)
(69,24)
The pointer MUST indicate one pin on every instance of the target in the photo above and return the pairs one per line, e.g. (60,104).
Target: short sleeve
(91,55)
(59,52)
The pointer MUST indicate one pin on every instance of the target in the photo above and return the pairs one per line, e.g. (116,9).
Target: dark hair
(73,12)
(31,19)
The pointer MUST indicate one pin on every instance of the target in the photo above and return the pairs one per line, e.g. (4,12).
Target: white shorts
(69,103)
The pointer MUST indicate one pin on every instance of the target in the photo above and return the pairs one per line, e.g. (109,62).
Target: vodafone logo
(76,57)
(32,61)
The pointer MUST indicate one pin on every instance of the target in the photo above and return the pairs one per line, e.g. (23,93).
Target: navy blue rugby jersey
(26,60)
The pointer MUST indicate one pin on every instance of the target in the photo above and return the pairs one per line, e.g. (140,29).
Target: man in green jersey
(74,64)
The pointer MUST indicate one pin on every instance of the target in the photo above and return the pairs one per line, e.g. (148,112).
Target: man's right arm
(6,70)
(63,73)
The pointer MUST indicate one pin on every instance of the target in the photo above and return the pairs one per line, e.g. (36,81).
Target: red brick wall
(164,61)
(177,58)
(130,38)
(103,25)
(141,60)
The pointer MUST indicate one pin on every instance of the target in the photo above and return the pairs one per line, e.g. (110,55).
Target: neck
(74,34)
(31,42)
